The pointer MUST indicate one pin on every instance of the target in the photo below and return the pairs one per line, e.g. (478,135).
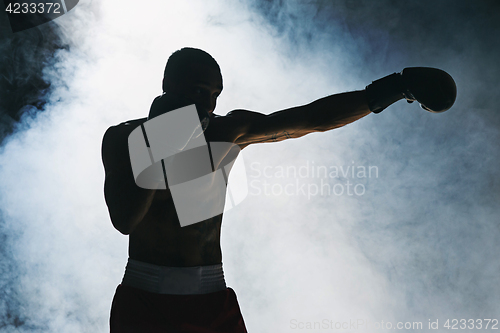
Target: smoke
(23,93)
(412,241)
(428,223)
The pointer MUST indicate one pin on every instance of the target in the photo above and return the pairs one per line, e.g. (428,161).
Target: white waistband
(174,280)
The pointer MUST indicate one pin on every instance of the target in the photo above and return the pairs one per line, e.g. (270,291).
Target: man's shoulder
(239,118)
(243,114)
(233,121)
(115,139)
(232,126)
(128,125)
(122,129)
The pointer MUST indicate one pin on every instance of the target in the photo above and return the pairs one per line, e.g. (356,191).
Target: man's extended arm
(433,88)
(321,115)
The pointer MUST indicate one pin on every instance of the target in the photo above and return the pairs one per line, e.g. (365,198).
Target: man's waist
(174,280)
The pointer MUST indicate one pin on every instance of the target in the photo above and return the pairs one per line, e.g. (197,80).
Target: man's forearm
(336,110)
(128,205)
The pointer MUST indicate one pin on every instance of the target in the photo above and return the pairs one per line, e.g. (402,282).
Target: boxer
(174,280)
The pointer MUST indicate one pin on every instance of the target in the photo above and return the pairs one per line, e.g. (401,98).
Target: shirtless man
(165,286)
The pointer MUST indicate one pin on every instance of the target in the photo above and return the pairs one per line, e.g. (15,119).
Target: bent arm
(321,115)
(127,203)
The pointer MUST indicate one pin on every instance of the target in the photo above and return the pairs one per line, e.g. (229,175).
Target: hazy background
(420,243)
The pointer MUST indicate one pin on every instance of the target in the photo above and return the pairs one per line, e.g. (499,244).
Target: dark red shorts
(135,310)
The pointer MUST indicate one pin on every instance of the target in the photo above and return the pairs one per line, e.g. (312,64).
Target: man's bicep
(118,180)
(113,152)
(114,149)
(118,197)
(108,152)
(127,203)
(117,185)
(118,170)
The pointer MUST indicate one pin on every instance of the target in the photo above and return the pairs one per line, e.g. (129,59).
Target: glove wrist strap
(384,92)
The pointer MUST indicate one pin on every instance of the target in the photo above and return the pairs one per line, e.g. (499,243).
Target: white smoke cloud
(418,244)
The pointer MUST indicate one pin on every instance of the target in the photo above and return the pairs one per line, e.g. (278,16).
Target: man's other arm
(319,116)
(127,203)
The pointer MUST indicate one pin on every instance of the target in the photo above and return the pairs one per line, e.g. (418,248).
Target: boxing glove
(433,88)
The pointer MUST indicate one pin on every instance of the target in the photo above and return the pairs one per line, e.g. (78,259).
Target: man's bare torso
(158,238)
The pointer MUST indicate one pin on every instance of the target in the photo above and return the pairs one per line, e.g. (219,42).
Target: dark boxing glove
(433,88)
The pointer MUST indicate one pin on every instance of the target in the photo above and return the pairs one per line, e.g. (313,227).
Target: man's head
(192,76)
